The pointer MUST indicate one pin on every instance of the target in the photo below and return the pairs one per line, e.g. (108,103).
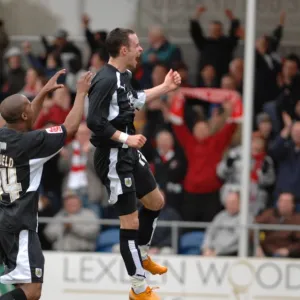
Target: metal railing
(177,225)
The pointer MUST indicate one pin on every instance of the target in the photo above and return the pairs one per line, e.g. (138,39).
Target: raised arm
(277,33)
(196,30)
(50,86)
(172,81)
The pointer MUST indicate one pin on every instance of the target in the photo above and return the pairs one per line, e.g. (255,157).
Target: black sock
(147,221)
(131,253)
(17,294)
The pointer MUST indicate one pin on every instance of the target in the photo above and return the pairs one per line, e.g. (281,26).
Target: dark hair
(102,53)
(216,22)
(293,57)
(116,39)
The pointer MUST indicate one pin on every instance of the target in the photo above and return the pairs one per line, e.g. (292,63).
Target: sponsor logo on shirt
(54,129)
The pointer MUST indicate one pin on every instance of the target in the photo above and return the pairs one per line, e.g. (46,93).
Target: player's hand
(172,80)
(136,141)
(84,83)
(52,84)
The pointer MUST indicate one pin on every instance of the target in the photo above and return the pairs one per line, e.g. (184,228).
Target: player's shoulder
(106,74)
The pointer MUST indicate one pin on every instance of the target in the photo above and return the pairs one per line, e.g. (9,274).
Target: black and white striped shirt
(112,102)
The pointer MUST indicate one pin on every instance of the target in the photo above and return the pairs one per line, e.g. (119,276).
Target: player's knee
(33,291)
(130,221)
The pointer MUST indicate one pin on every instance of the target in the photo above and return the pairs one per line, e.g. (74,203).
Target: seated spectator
(285,152)
(216,49)
(75,236)
(262,174)
(169,168)
(236,70)
(203,151)
(160,51)
(14,80)
(280,243)
(33,84)
(76,163)
(220,239)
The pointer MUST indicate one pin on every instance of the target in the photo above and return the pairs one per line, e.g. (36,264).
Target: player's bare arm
(50,86)
(172,82)
(74,117)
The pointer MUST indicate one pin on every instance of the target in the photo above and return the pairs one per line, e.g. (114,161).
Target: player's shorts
(126,175)
(22,256)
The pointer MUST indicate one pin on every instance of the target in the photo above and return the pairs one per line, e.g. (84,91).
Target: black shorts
(127,176)
(22,257)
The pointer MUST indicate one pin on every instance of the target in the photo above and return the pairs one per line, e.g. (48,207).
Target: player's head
(16,110)
(123,44)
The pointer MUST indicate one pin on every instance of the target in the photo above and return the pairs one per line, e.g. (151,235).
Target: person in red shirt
(204,150)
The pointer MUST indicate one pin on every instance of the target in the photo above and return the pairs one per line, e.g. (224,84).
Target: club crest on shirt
(128,182)
(38,272)
(54,129)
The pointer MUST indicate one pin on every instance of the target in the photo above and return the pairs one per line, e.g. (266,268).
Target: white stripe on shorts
(115,182)
(22,273)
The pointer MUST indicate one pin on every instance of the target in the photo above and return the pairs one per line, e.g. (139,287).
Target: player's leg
(115,170)
(24,264)
(153,202)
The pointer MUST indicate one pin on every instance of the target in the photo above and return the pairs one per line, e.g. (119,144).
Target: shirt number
(9,184)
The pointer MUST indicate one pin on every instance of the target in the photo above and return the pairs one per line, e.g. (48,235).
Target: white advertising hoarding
(77,276)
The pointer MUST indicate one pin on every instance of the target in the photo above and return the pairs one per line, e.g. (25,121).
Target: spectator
(55,108)
(15,77)
(280,243)
(236,70)
(267,67)
(264,128)
(80,177)
(33,84)
(207,77)
(98,60)
(262,174)
(95,40)
(169,168)
(285,152)
(160,51)
(222,236)
(62,48)
(4,42)
(216,49)
(203,151)
(73,236)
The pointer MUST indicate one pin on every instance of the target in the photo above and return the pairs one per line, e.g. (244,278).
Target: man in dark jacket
(216,49)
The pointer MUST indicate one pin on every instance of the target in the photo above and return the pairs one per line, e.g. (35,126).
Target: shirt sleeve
(45,143)
(101,107)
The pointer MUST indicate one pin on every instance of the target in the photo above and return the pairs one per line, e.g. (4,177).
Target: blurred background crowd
(197,165)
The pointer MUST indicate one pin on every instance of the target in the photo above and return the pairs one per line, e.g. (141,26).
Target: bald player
(23,153)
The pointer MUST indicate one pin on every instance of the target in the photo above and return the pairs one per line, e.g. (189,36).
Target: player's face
(27,114)
(134,51)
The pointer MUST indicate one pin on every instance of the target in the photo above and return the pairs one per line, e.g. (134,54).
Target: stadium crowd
(197,163)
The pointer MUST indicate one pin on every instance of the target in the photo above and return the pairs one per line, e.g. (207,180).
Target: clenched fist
(136,141)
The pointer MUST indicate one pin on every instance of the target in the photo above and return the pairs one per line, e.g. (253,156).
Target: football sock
(147,220)
(132,258)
